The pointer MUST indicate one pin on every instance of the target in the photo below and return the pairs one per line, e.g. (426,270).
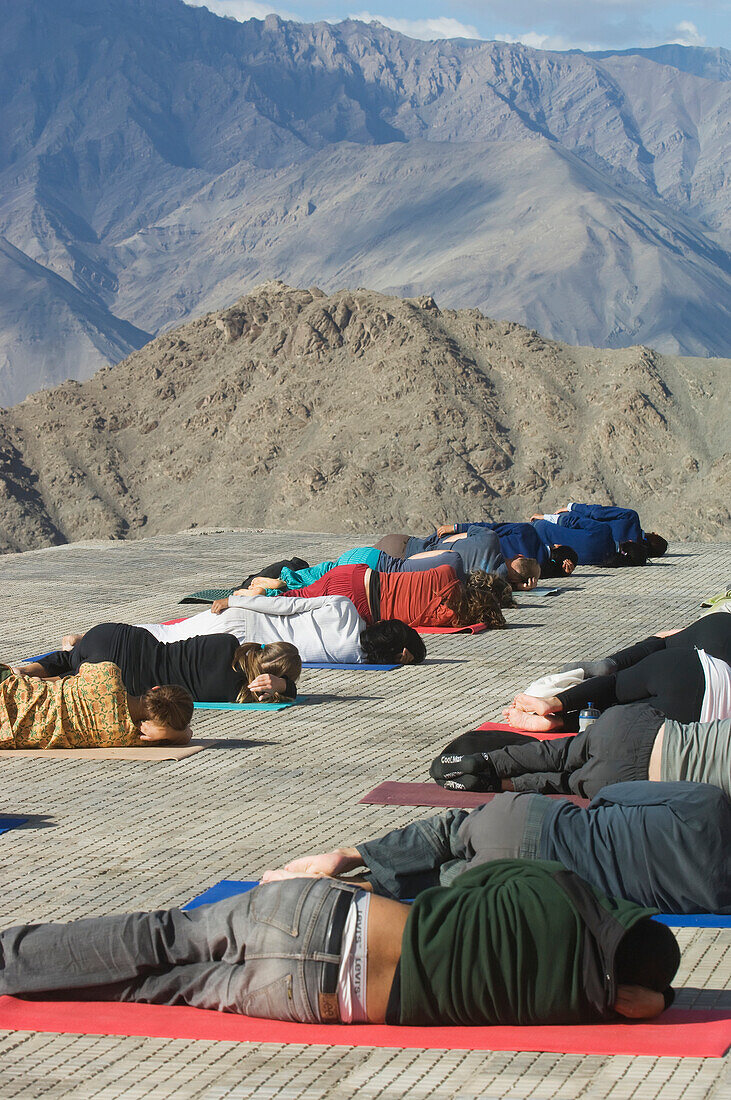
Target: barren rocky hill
(358,412)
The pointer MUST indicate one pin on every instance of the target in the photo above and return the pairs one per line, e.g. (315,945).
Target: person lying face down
(625,744)
(479,549)
(686,675)
(592,541)
(323,629)
(213,668)
(521,540)
(434,597)
(510,942)
(624,524)
(90,710)
(662,845)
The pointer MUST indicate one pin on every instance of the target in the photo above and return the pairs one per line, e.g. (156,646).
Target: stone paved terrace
(111,836)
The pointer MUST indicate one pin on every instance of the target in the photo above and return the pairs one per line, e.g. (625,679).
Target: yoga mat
(158,752)
(354,666)
(678,1033)
(208,595)
(242,706)
(539,735)
(228,888)
(476,628)
(695,920)
(393,793)
(8,823)
(541,591)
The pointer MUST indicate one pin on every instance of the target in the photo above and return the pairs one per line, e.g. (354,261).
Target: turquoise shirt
(300,578)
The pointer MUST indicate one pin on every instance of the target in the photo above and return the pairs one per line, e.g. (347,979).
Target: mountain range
(155,159)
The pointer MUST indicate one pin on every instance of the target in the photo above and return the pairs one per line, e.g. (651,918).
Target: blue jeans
(263,953)
(434,851)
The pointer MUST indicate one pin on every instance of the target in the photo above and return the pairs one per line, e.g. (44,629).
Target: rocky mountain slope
(73,334)
(159,158)
(357,412)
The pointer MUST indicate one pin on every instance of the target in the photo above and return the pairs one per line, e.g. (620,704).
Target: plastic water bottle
(587,716)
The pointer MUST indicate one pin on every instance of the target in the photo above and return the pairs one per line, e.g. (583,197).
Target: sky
(543,24)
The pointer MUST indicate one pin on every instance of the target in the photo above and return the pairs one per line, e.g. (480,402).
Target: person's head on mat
(478,600)
(163,714)
(266,669)
(391,641)
(561,563)
(655,544)
(629,554)
(523,572)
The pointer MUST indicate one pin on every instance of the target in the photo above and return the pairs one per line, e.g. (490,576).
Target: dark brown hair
(168,705)
(475,601)
(278,659)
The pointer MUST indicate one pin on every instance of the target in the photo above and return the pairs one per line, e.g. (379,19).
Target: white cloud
(241,9)
(688,34)
(546,41)
(426,29)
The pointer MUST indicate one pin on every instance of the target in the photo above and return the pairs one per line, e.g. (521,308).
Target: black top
(202,665)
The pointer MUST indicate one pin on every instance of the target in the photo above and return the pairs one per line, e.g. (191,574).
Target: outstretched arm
(326,864)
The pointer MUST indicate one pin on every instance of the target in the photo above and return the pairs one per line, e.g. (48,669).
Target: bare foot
(69,641)
(533,705)
(539,723)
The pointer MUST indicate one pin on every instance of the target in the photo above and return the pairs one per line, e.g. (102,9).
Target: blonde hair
(277,659)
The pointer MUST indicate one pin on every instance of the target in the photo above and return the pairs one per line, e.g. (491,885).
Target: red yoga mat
(431,794)
(545,735)
(677,1033)
(476,628)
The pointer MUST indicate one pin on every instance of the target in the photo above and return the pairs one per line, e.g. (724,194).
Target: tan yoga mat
(156,752)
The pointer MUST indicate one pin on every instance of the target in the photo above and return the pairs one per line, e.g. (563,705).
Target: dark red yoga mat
(393,793)
(677,1033)
(538,735)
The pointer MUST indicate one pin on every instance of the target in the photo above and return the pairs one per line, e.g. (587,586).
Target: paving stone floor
(110,836)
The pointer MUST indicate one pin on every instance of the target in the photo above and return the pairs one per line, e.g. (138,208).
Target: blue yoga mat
(695,920)
(8,823)
(224,889)
(354,666)
(228,887)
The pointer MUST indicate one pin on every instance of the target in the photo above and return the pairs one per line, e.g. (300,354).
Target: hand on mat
(445,529)
(264,686)
(327,864)
(637,1002)
(526,586)
(218,606)
(536,515)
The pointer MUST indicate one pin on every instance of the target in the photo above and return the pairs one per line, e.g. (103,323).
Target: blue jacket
(515,539)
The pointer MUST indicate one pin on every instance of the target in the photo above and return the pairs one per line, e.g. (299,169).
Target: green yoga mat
(241,706)
(208,595)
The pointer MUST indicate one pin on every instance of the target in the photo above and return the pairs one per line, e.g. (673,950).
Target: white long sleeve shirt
(324,628)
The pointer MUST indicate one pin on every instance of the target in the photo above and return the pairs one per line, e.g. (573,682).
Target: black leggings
(616,748)
(671,679)
(711,633)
